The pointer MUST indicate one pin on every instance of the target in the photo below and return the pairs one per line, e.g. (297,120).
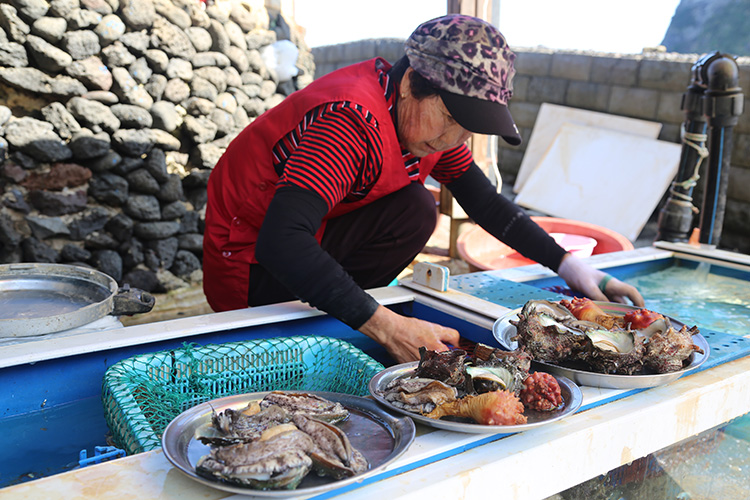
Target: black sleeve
(287,248)
(503,219)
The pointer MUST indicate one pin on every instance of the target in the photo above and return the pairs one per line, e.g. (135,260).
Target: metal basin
(40,298)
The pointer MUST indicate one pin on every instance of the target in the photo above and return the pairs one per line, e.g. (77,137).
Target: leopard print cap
(463,55)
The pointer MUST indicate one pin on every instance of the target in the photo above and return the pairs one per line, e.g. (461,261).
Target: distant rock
(705,26)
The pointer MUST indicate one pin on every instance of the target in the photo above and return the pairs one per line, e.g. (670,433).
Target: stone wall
(647,86)
(333,57)
(113,114)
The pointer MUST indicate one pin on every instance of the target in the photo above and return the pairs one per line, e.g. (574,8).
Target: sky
(598,25)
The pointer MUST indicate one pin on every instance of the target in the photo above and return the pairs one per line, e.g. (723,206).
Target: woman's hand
(403,336)
(582,277)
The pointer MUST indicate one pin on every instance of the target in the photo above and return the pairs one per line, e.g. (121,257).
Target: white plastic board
(603,177)
(552,116)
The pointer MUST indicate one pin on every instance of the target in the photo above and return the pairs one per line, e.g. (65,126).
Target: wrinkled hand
(403,336)
(582,277)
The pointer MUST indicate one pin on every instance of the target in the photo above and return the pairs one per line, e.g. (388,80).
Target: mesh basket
(142,394)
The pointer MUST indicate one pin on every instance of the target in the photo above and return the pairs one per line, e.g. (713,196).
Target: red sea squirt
(541,392)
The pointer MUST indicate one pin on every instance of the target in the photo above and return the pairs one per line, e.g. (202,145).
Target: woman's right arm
(503,219)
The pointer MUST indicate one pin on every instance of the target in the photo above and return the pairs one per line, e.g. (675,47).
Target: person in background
(323,196)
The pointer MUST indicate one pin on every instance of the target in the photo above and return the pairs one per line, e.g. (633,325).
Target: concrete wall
(648,86)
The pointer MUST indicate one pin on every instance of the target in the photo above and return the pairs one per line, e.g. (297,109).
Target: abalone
(240,426)
(275,442)
(310,405)
(417,394)
(279,461)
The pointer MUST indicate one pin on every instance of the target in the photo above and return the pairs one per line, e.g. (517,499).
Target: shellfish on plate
(490,391)
(603,344)
(277,441)
(265,454)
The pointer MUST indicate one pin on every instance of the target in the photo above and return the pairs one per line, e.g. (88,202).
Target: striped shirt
(336,151)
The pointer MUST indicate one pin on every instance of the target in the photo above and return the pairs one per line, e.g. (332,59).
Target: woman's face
(425,126)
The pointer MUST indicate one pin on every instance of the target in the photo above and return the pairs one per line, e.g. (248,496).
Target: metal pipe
(722,105)
(676,216)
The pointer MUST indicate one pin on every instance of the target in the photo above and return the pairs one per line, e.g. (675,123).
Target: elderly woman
(323,196)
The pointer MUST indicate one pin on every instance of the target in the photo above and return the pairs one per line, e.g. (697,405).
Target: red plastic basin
(483,252)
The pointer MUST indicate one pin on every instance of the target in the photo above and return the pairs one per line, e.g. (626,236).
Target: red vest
(243,181)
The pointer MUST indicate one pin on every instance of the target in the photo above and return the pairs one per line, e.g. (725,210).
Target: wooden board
(603,177)
(552,116)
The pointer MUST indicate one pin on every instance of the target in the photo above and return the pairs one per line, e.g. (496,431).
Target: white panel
(603,177)
(552,116)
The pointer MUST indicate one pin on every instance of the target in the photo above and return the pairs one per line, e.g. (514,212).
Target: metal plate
(503,332)
(571,393)
(42,298)
(378,435)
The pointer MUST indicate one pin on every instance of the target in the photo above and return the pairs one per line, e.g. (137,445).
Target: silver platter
(378,435)
(571,393)
(503,332)
(39,298)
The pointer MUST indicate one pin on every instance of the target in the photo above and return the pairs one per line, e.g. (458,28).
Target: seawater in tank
(697,295)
